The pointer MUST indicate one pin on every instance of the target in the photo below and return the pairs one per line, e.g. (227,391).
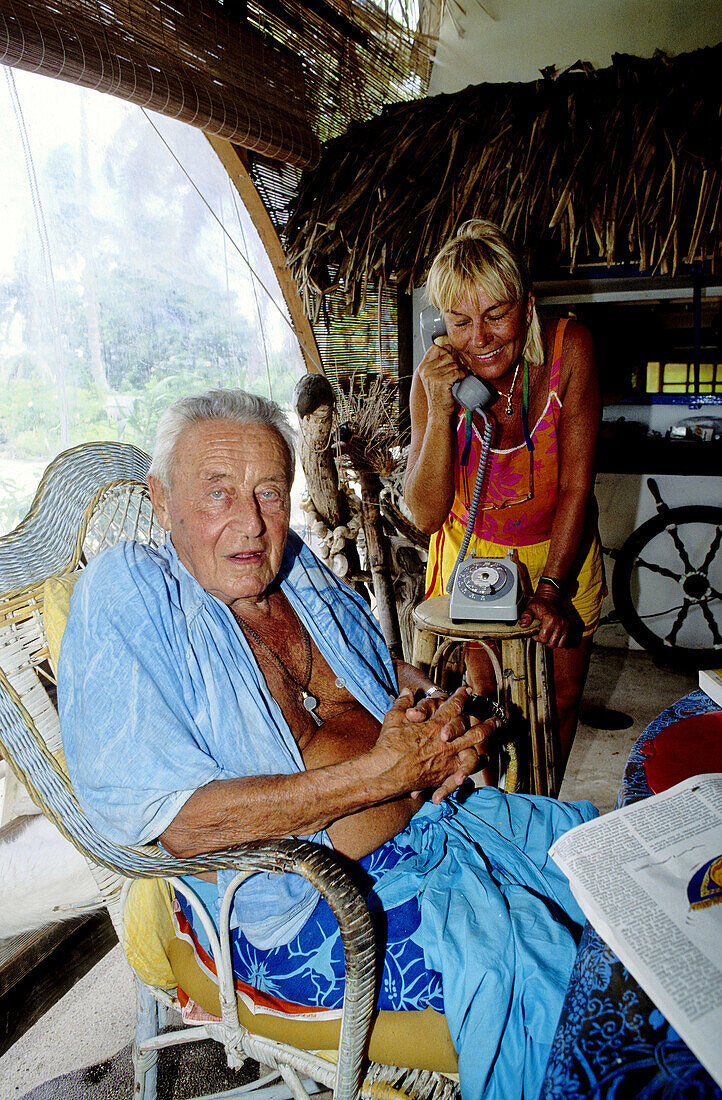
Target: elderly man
(227,688)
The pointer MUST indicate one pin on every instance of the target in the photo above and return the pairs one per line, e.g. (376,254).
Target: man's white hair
(244,408)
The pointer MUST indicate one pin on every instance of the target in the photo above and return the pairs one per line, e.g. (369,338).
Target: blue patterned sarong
(473,919)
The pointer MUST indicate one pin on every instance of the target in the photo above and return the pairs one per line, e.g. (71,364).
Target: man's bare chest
(297,675)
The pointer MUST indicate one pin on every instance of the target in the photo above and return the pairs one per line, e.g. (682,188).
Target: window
(679,378)
(130,273)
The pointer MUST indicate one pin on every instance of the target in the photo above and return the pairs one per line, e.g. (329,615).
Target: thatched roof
(616,166)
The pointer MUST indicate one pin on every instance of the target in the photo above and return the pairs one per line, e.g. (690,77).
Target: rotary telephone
(482,589)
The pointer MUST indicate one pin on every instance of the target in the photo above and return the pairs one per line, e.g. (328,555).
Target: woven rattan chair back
(89,498)
(52,537)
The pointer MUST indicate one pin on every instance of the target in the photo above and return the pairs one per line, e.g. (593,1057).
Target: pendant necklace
(510,395)
(309,701)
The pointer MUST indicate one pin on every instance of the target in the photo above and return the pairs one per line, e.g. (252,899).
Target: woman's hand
(438,371)
(549,608)
(429,480)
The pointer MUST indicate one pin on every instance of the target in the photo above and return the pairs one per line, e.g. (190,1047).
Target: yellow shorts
(587,588)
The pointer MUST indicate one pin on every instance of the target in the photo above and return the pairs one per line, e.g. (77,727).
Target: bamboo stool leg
(424,649)
(523,683)
(539,784)
(513,651)
(552,753)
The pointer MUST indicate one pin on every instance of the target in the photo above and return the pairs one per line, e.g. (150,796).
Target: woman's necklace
(510,395)
(309,701)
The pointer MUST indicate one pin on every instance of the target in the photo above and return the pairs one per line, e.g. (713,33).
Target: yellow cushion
(417,1039)
(148,930)
(56,598)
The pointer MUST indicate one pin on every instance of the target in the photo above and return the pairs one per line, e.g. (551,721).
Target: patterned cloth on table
(612,1040)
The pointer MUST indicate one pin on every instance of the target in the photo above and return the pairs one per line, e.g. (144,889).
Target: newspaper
(649,879)
(710,680)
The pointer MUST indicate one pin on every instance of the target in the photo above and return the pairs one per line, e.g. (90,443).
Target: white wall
(519,37)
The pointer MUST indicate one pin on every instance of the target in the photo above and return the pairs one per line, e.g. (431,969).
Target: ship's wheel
(667,583)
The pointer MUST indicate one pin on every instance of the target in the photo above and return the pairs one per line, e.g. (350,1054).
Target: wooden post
(231,157)
(379,560)
(314,401)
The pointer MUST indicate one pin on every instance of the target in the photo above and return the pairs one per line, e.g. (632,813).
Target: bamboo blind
(359,347)
(183,58)
(274,78)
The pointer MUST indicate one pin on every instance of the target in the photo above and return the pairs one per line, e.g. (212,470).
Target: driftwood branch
(314,400)
(380,562)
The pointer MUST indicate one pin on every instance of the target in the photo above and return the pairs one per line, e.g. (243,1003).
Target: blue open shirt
(160,694)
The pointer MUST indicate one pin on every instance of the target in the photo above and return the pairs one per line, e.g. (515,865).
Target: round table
(612,1040)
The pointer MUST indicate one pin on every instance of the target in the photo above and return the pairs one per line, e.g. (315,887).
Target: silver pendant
(310,702)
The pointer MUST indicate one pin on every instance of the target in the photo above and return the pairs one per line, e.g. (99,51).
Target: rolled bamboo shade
(182,58)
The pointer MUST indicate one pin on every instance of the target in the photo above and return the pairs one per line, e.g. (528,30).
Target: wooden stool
(522,679)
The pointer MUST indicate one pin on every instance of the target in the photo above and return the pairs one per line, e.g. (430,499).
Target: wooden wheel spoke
(661,569)
(712,552)
(677,624)
(673,533)
(711,623)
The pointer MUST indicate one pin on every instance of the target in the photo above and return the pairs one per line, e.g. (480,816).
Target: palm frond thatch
(620,165)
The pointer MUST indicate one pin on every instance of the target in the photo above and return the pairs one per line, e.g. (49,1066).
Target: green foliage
(130,298)
(29,417)
(15,501)
(151,326)
(153,400)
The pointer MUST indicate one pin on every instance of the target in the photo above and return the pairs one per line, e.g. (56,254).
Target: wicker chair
(89,498)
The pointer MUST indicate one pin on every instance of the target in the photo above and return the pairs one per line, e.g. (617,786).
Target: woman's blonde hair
(481,255)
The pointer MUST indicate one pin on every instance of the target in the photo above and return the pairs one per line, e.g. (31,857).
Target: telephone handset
(470,392)
(482,589)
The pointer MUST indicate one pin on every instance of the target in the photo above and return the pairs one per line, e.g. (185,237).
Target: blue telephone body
(482,589)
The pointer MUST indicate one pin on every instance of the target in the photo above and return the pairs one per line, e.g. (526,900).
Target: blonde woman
(537,497)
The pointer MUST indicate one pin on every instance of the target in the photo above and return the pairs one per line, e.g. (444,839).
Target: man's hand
(468,760)
(419,750)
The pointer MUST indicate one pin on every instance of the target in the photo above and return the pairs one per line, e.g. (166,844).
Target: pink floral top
(519,498)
